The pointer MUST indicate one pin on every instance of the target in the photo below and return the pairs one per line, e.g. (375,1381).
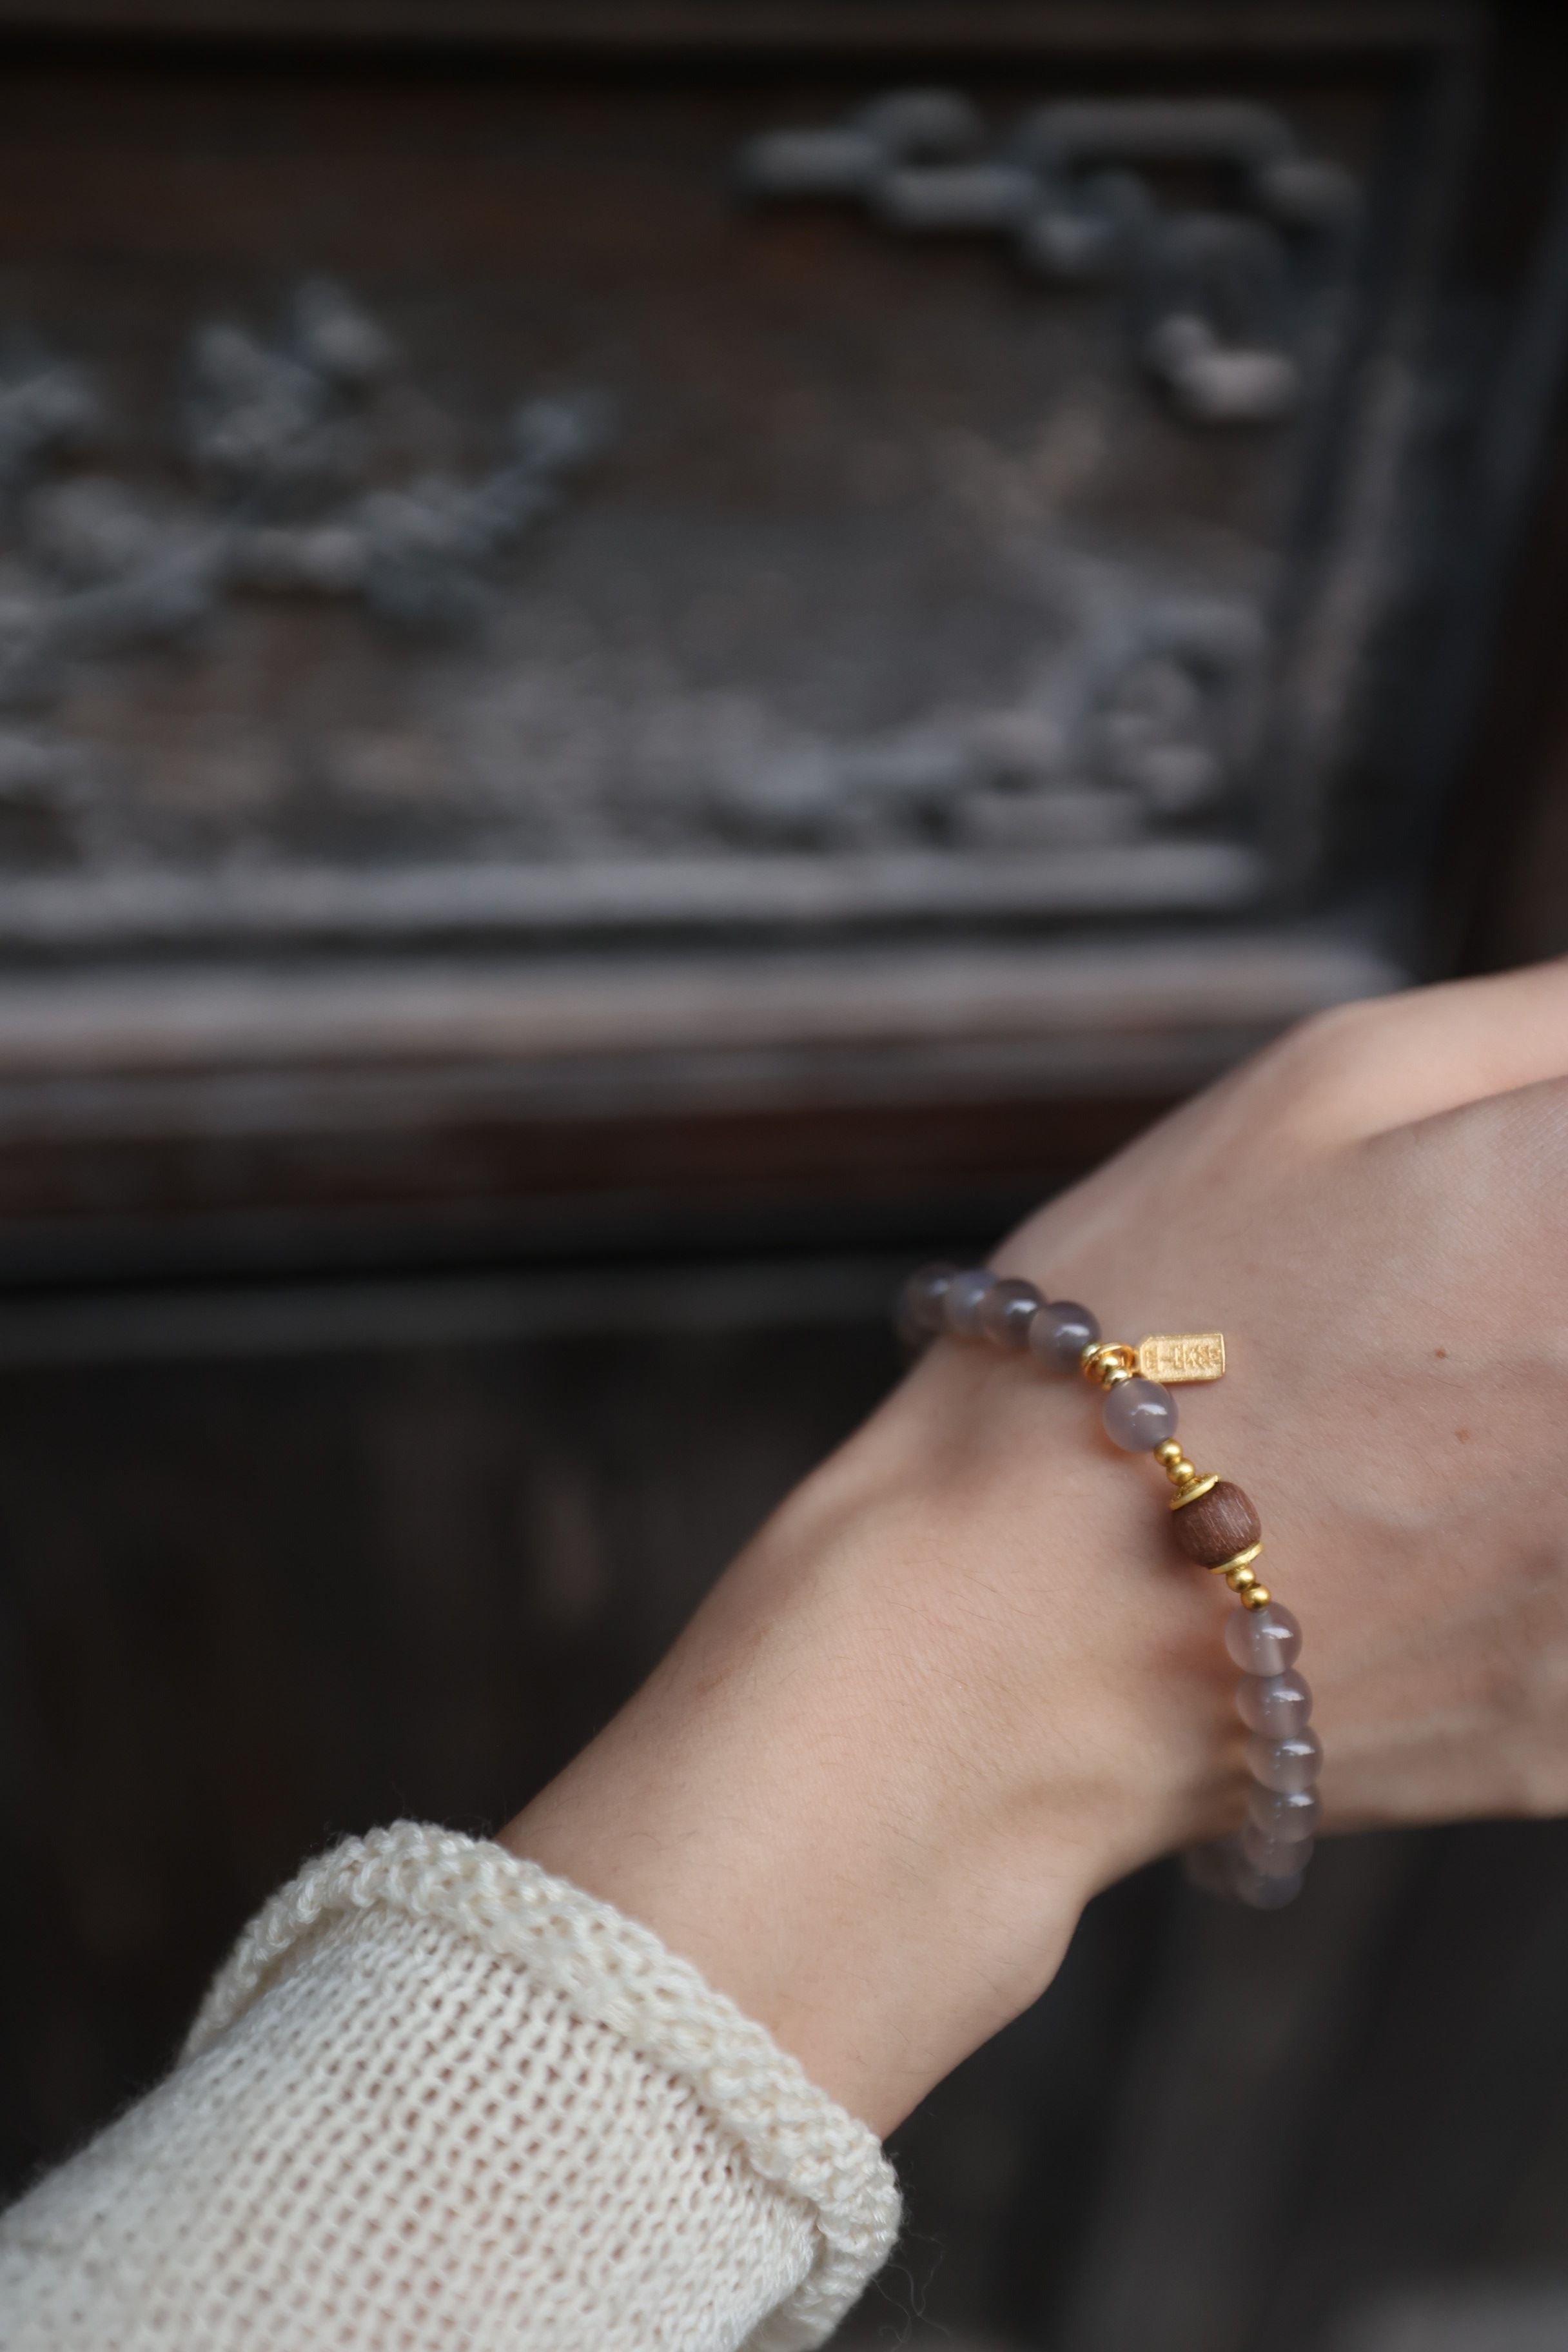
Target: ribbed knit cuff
(615,1974)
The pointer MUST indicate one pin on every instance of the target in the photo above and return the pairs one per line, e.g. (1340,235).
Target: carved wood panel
(526,600)
(454,512)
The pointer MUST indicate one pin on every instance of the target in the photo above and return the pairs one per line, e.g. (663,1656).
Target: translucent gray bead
(1061,1333)
(1138,1413)
(1286,1764)
(1006,1311)
(1273,1857)
(961,1301)
(919,1304)
(1262,1894)
(1284,1814)
(1263,1640)
(1276,1704)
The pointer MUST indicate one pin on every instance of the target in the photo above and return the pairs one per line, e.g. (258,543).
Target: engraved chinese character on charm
(1171,1357)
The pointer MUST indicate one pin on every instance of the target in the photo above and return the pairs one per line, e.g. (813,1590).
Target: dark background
(460,1131)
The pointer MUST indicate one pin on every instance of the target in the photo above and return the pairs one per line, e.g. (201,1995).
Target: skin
(961,1680)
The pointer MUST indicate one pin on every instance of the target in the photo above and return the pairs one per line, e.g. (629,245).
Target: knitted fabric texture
(438,2098)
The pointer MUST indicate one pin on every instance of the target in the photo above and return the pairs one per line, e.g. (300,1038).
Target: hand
(964,1678)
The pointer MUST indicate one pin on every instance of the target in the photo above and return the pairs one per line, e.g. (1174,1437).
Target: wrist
(908,1734)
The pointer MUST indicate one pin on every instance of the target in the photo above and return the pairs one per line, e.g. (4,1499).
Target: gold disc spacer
(1189,1492)
(1104,1357)
(1238,1559)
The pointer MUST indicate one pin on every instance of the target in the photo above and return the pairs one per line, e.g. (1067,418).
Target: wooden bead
(1217,1526)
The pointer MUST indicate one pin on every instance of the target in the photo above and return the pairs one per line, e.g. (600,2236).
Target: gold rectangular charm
(1171,1357)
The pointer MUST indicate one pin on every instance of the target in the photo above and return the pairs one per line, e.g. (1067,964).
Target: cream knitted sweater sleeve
(439,2099)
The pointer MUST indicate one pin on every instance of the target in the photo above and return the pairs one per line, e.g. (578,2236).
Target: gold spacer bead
(1240,1579)
(1104,1358)
(1238,1559)
(1257,1596)
(1169,1455)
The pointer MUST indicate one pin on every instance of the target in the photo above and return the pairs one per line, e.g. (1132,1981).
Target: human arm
(957,1684)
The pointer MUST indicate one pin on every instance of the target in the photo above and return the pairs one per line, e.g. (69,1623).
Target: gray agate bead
(1279,1705)
(1285,1815)
(1222,1869)
(1261,1893)
(1273,1857)
(1286,1764)
(920,1314)
(1006,1311)
(1061,1333)
(961,1300)
(1263,1640)
(1139,1414)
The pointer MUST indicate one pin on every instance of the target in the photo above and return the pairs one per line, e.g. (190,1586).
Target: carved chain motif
(277,440)
(291,495)
(1211,289)
(1141,711)
(287,498)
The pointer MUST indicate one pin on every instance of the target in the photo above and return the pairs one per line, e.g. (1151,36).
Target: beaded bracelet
(1214,1524)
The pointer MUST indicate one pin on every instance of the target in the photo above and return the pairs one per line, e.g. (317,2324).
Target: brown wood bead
(1217,1526)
